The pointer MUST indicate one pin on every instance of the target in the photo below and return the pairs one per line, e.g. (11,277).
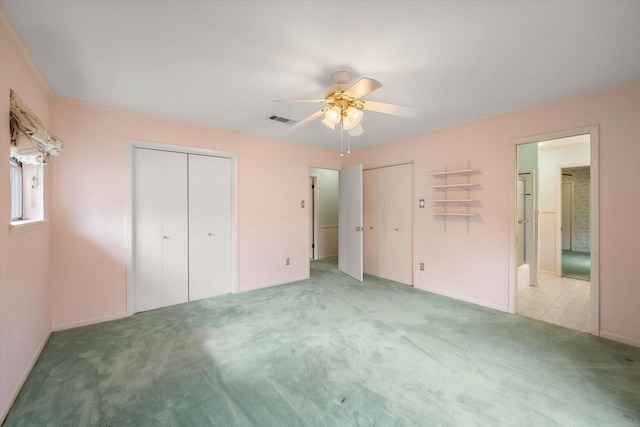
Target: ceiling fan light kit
(333,116)
(346,107)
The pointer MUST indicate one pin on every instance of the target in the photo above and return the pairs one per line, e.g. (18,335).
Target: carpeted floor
(330,351)
(576,265)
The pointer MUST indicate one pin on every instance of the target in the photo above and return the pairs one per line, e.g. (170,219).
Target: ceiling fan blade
(363,87)
(300,100)
(311,118)
(396,110)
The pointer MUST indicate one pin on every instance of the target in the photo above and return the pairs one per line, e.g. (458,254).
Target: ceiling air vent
(282,120)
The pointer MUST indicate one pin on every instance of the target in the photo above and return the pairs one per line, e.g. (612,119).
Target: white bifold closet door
(209,226)
(161,229)
(398,220)
(388,222)
(182,227)
(373,221)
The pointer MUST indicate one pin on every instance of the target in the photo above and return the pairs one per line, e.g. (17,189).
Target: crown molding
(16,41)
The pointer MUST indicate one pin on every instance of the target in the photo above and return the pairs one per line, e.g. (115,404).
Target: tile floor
(559,300)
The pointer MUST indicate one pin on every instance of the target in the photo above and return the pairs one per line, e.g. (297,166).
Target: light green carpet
(330,351)
(576,265)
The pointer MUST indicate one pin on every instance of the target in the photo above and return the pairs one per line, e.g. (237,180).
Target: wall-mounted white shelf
(451,200)
(452,186)
(458,172)
(452,214)
(451,182)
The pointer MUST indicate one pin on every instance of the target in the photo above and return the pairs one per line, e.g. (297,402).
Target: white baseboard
(268,285)
(461,298)
(86,322)
(619,338)
(23,378)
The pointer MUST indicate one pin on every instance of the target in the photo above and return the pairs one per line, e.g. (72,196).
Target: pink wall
(25,313)
(88,227)
(80,255)
(474,266)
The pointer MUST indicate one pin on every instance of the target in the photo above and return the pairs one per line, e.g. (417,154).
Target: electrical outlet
(422,266)
(286,261)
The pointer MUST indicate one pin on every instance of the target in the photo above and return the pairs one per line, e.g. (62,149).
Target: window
(31,146)
(27,192)
(15,179)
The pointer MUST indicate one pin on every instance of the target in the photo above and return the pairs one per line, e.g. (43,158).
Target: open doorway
(323,213)
(547,231)
(576,249)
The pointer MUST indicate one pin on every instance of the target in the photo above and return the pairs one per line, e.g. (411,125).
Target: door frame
(569,184)
(313,220)
(130,146)
(594,215)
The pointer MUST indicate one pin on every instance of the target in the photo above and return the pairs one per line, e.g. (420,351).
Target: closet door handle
(165,237)
(210,234)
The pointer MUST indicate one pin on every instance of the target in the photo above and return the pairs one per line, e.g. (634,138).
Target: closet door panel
(373,223)
(160,229)
(147,230)
(210,199)
(398,221)
(175,228)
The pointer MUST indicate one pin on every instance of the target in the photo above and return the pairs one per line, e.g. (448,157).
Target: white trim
(23,378)
(594,214)
(26,225)
(130,146)
(594,226)
(87,322)
(380,165)
(620,338)
(23,52)
(461,298)
(315,206)
(277,283)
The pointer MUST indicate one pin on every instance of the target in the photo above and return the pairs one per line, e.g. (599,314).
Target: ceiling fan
(345,106)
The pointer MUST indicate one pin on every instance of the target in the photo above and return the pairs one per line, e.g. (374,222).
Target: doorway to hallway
(323,213)
(553,231)
(576,249)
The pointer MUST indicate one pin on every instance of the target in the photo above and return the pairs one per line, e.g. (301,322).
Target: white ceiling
(223,63)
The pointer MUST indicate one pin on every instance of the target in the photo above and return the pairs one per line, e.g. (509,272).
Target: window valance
(31,143)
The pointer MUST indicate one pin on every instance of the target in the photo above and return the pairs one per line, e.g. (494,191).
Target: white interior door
(210,198)
(160,229)
(350,222)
